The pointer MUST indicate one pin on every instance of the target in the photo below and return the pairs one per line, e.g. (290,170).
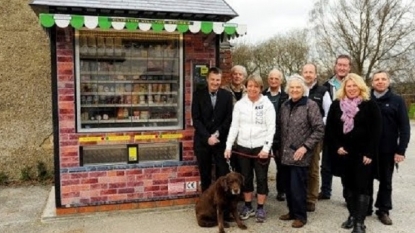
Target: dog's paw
(221,230)
(243,226)
(226,225)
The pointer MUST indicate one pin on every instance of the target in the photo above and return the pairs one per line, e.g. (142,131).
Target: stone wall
(25,91)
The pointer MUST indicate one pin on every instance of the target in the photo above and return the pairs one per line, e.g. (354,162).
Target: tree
(286,52)
(375,33)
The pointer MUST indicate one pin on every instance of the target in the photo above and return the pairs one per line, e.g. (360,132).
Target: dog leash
(228,161)
(254,157)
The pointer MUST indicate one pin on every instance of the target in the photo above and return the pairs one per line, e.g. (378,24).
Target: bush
(4,179)
(42,172)
(25,173)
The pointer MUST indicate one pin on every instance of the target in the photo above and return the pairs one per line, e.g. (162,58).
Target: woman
(352,135)
(253,127)
(300,127)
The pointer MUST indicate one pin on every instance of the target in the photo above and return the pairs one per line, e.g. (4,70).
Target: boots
(362,204)
(350,202)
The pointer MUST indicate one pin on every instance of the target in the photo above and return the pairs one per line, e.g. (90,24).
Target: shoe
(349,223)
(260,215)
(298,223)
(311,207)
(286,217)
(247,212)
(281,197)
(384,218)
(321,196)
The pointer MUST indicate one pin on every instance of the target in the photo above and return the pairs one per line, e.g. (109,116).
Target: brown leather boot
(298,223)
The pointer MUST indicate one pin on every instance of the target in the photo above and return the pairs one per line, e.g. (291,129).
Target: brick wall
(119,185)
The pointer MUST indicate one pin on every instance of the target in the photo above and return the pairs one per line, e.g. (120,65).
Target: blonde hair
(364,89)
(256,79)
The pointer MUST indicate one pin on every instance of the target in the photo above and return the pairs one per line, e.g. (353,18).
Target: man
(342,68)
(236,85)
(321,96)
(393,143)
(212,115)
(237,88)
(277,96)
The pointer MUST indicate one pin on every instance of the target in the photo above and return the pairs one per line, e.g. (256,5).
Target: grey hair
(297,77)
(241,68)
(278,72)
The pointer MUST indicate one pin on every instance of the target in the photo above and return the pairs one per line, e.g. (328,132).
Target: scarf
(349,108)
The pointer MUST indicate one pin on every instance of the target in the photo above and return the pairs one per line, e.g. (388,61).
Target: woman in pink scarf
(352,135)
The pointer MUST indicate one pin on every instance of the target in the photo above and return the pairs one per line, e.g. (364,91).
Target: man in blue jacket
(394,141)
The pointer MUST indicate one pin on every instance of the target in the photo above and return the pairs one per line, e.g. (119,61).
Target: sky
(266,18)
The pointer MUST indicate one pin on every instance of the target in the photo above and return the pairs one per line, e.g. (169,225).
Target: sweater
(253,124)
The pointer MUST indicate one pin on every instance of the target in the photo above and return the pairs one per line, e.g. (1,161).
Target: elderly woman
(300,127)
(352,134)
(236,85)
(253,127)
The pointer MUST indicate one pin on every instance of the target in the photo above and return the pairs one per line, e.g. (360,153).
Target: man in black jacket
(321,96)
(277,96)
(212,115)
(393,143)
(342,68)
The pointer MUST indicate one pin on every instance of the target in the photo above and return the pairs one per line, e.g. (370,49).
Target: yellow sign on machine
(144,137)
(118,138)
(171,136)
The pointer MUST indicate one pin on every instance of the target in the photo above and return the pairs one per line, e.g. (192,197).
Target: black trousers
(296,191)
(384,173)
(206,155)
(249,165)
(325,171)
(280,186)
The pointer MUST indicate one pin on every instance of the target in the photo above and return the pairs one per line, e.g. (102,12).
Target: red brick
(99,199)
(117,185)
(108,191)
(126,190)
(134,172)
(151,170)
(151,188)
(120,173)
(89,181)
(70,182)
(71,194)
(99,186)
(79,175)
(97,174)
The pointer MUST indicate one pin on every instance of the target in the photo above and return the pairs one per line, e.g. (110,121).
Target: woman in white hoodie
(253,128)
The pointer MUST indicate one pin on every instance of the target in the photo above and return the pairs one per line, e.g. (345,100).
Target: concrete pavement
(29,209)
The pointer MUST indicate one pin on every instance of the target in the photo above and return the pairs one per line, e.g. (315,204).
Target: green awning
(156,25)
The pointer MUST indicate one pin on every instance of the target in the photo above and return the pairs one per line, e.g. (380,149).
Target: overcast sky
(266,18)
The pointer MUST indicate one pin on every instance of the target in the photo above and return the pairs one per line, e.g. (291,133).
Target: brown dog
(221,196)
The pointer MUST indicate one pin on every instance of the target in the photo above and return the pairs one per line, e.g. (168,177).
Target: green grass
(411,112)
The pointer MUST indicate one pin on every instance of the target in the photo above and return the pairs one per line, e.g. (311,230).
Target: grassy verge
(411,112)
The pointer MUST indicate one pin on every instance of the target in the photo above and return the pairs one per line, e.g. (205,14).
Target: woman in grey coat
(300,127)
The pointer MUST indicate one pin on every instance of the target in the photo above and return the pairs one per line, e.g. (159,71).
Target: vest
(317,94)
